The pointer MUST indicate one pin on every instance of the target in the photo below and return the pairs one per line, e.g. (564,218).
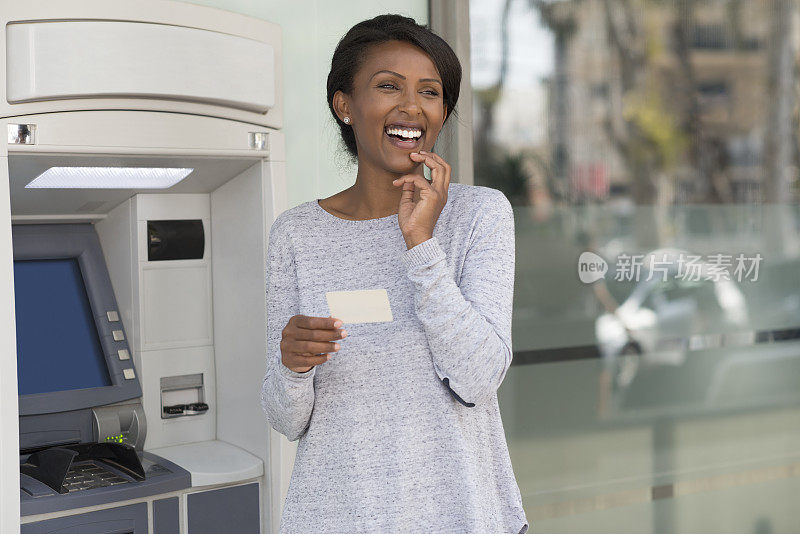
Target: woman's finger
(438,158)
(301,346)
(303,363)
(440,172)
(313,359)
(444,183)
(319,334)
(313,323)
(409,182)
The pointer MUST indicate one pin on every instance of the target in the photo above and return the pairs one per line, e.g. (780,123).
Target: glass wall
(651,152)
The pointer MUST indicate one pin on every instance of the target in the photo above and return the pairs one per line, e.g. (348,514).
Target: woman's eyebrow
(403,77)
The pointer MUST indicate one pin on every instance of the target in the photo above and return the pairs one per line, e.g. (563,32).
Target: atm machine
(143,168)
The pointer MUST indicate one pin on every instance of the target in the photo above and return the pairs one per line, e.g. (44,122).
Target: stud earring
(347,120)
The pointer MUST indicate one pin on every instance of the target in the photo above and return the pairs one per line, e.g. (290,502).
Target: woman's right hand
(305,341)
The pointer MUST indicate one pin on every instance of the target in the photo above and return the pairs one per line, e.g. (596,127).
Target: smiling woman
(398,424)
(409,110)
(392,68)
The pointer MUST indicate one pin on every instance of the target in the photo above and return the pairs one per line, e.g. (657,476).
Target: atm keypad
(89,476)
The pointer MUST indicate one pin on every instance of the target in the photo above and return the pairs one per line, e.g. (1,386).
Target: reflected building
(663,104)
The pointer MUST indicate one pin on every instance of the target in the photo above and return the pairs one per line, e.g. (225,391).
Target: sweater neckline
(328,215)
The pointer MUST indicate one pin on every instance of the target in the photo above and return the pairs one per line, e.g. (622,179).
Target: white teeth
(408,134)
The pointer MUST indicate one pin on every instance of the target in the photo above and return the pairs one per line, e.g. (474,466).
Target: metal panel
(128,519)
(165,516)
(225,510)
(9,437)
(52,60)
(161,16)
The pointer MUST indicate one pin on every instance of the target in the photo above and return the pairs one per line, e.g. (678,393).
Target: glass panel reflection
(650,150)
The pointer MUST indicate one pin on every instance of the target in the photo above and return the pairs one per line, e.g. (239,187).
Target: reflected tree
(781,137)
(496,167)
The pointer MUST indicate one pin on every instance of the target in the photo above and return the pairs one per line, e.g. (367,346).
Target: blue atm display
(58,347)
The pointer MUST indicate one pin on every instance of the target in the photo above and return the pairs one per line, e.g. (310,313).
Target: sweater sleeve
(287,397)
(468,326)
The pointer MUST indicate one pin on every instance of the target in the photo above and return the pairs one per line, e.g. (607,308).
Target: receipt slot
(133,240)
(188,388)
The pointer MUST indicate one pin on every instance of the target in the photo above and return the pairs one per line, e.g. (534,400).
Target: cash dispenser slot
(182,396)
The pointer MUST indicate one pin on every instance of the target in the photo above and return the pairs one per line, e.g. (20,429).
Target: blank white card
(360,306)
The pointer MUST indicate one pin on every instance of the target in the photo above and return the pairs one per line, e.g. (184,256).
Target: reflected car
(669,313)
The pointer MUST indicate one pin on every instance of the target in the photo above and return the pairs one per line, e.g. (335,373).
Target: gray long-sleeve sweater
(400,431)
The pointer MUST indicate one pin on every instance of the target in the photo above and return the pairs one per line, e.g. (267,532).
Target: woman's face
(398,82)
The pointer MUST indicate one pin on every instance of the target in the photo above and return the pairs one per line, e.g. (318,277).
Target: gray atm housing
(53,241)
(80,416)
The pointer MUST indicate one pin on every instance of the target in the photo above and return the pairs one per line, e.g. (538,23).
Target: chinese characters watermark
(683,266)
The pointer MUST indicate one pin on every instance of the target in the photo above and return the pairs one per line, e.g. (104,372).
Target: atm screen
(58,347)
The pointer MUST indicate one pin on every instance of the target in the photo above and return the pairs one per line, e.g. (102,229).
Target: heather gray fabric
(385,444)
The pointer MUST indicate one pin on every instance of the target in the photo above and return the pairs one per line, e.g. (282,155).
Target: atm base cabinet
(128,519)
(227,509)
(234,509)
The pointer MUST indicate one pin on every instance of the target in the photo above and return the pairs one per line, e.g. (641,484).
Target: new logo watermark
(591,267)
(683,266)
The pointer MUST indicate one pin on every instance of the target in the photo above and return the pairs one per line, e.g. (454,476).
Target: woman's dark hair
(351,52)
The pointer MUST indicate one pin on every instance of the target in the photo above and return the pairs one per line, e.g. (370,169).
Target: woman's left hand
(417,220)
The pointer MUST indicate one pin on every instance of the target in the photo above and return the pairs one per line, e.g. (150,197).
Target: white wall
(9,439)
(316,162)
